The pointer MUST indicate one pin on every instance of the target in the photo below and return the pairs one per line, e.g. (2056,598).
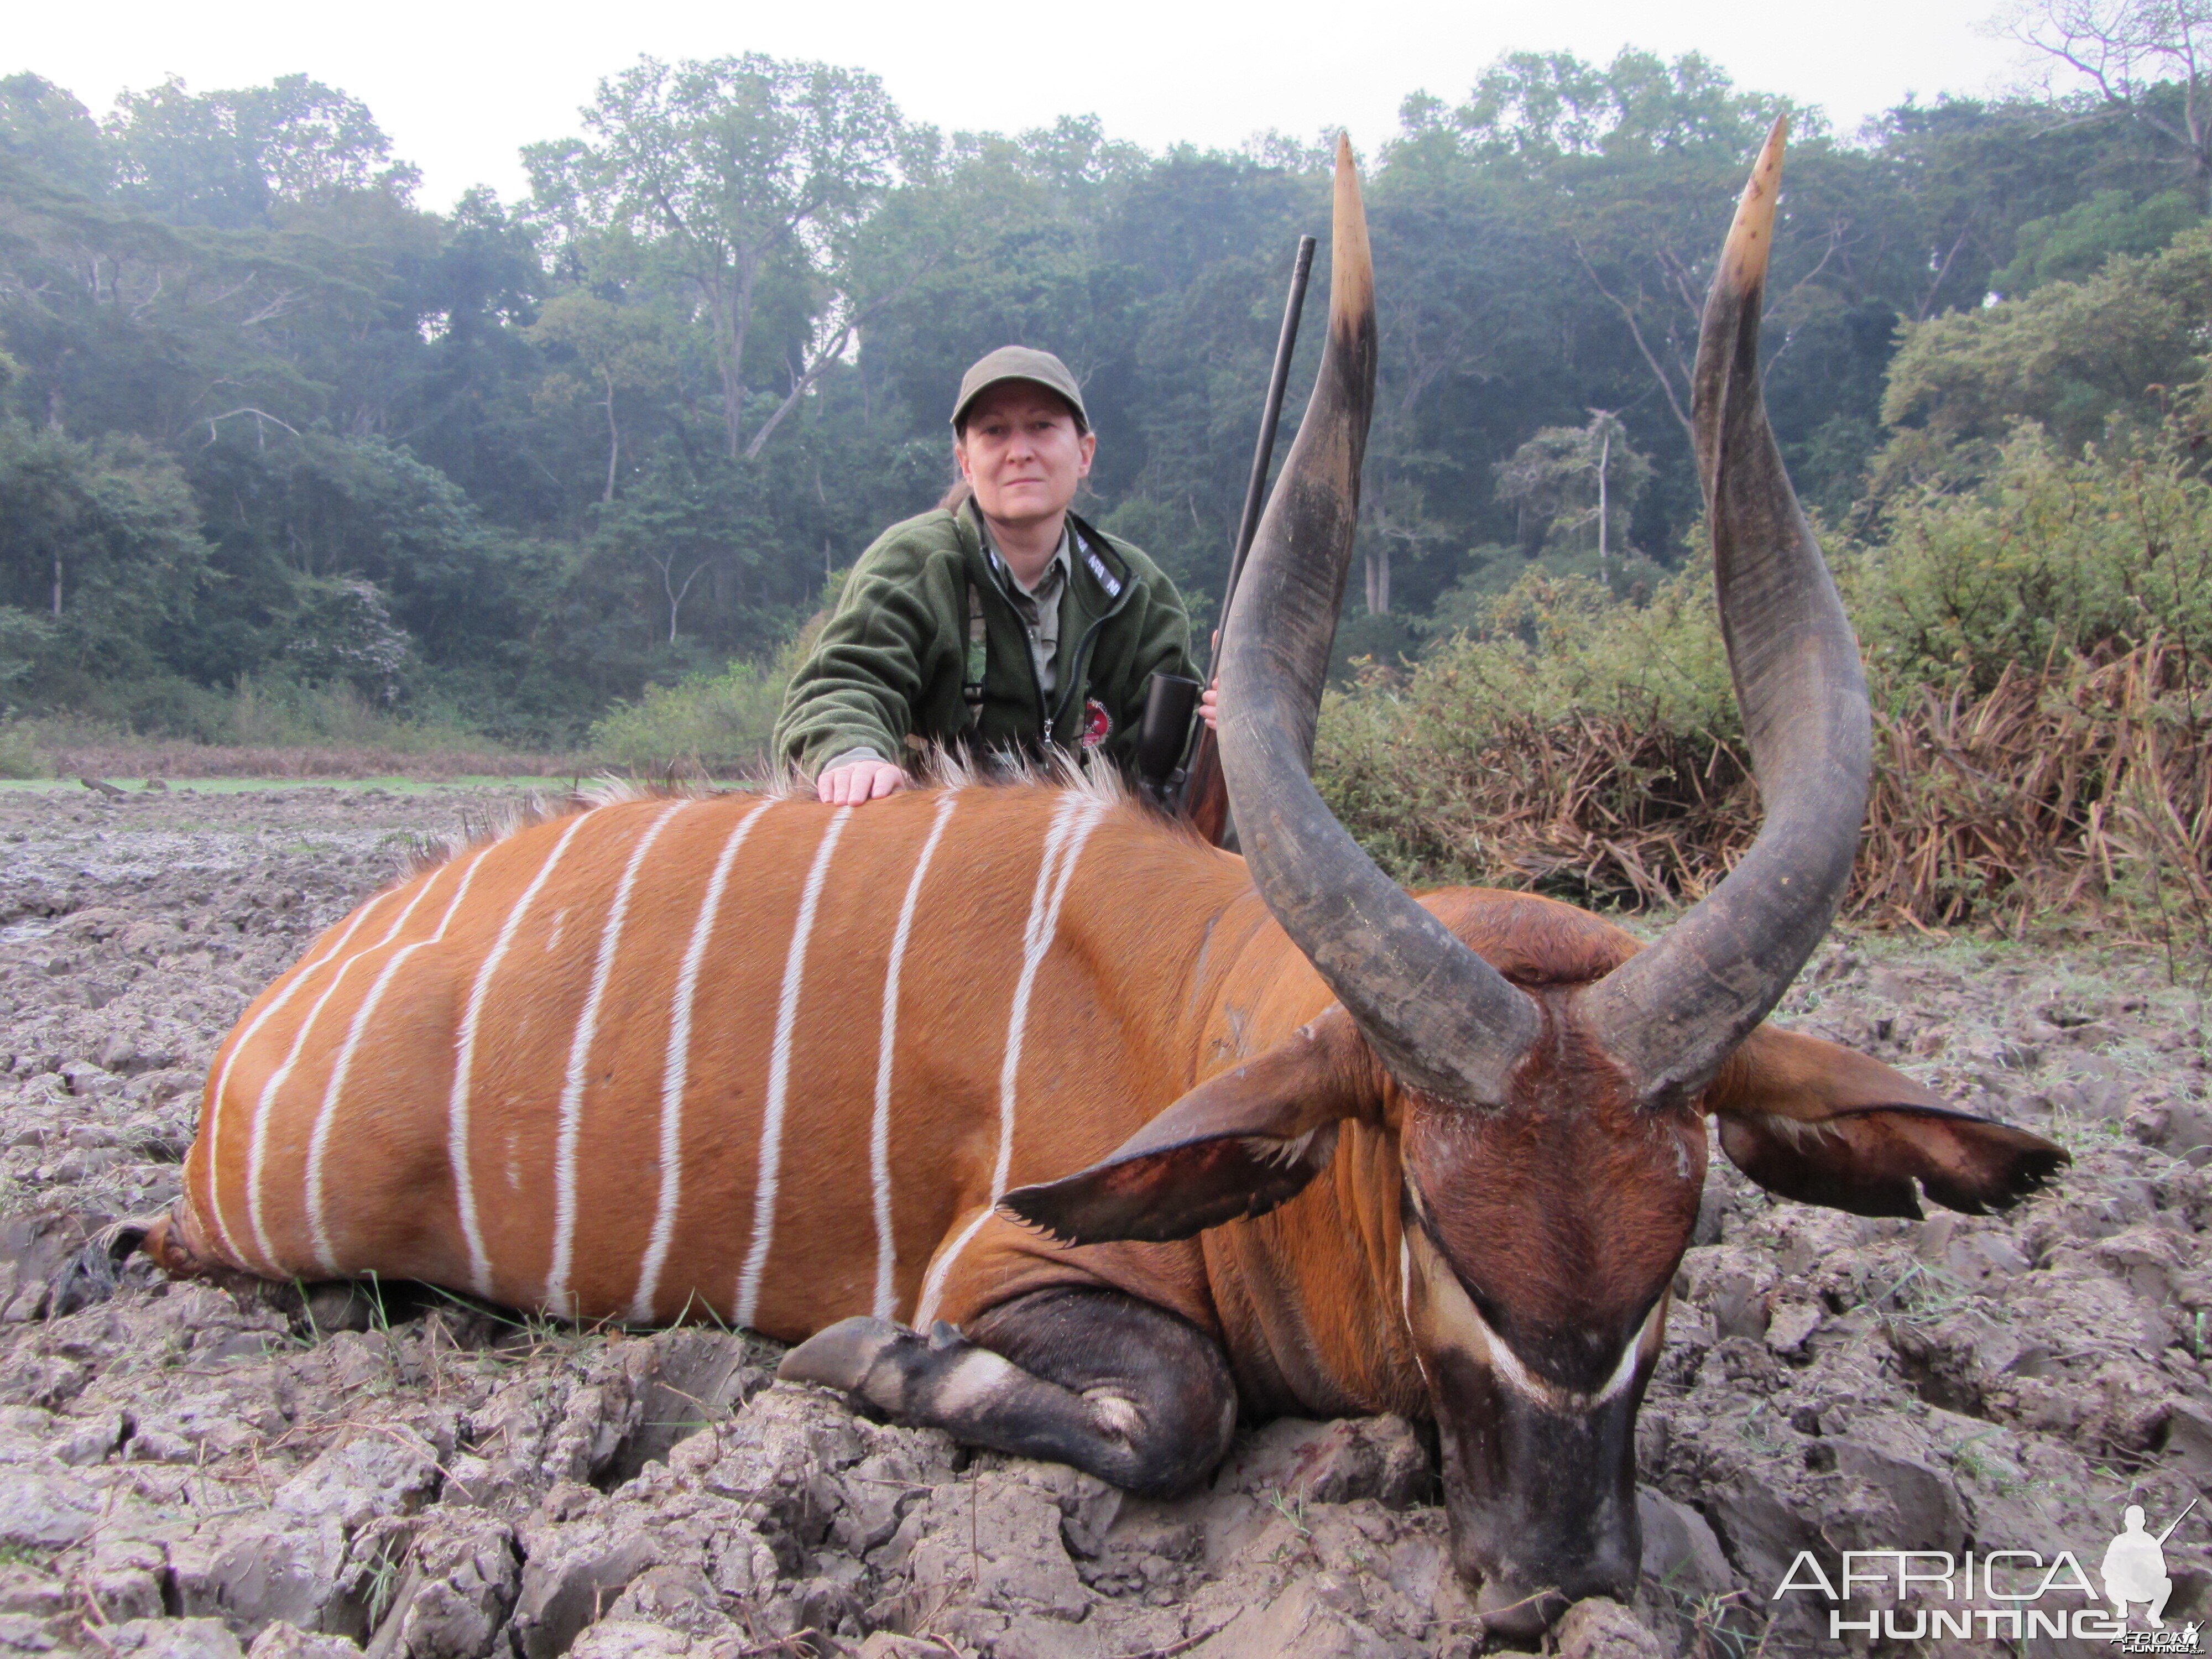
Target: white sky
(461,85)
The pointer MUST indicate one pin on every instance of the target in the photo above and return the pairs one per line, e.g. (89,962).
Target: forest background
(285,457)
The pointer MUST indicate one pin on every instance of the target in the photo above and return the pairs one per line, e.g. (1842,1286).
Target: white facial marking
(675,1073)
(319,1139)
(1458,1309)
(779,1076)
(879,1129)
(457,1104)
(558,1299)
(1073,818)
(1507,1364)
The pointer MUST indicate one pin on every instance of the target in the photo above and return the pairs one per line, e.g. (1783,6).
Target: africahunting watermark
(2001,1593)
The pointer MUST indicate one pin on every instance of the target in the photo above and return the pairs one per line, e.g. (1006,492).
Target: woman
(1000,622)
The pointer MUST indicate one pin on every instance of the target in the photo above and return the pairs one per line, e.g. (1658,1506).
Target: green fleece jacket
(893,670)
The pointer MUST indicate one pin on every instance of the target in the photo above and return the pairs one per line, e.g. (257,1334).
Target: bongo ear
(1815,1121)
(1238,1145)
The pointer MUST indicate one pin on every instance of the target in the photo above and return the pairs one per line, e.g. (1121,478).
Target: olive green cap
(1013,362)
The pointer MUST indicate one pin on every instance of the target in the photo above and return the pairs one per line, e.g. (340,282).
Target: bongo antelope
(1027,1115)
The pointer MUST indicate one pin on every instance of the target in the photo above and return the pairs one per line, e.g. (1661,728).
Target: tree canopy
(263,414)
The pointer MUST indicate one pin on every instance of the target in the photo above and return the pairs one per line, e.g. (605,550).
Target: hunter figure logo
(2135,1570)
(2005,1594)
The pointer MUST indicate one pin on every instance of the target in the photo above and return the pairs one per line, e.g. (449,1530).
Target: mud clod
(1599,1629)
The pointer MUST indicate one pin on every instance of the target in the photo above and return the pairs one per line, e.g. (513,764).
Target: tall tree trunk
(733,314)
(614,442)
(734,394)
(1604,460)
(675,595)
(1378,578)
(58,584)
(2195,135)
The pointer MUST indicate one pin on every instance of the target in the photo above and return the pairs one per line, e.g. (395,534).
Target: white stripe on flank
(579,1055)
(211,1131)
(257,1146)
(1072,820)
(316,1142)
(778,1077)
(879,1131)
(457,1106)
(676,1072)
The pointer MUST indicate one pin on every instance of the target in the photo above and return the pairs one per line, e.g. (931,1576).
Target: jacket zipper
(1076,666)
(1029,659)
(1079,662)
(1048,720)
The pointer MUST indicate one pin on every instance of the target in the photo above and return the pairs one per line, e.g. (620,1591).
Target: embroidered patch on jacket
(1106,578)
(1097,724)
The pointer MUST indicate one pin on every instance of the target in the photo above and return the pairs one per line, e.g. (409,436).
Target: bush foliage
(2040,656)
(709,725)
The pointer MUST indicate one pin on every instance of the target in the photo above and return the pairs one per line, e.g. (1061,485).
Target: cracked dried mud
(183,1471)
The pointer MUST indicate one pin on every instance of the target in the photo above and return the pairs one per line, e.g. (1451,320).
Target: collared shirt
(894,668)
(1039,607)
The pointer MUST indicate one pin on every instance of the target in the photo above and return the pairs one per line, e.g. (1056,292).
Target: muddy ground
(183,1472)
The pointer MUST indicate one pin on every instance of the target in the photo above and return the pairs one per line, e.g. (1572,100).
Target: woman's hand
(1209,708)
(858,781)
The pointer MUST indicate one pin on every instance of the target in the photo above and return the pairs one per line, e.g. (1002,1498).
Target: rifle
(2176,1521)
(1205,800)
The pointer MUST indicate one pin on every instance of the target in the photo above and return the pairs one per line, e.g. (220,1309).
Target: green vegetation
(2040,654)
(711,725)
(519,472)
(292,466)
(2076,357)
(21,755)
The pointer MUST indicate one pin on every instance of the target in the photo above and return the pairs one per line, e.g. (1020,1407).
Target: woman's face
(1023,452)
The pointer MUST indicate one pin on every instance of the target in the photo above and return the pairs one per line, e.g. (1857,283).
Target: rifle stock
(1206,791)
(1205,801)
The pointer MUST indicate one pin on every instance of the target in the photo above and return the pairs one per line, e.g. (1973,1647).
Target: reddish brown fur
(1564,1217)
(1567,1214)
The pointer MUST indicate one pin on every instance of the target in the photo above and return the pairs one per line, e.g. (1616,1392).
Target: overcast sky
(461,85)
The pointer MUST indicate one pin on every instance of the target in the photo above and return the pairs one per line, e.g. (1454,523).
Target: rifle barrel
(1263,452)
(2176,1521)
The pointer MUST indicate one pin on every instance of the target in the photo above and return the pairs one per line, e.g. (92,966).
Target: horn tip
(1751,238)
(1768,168)
(1351,281)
